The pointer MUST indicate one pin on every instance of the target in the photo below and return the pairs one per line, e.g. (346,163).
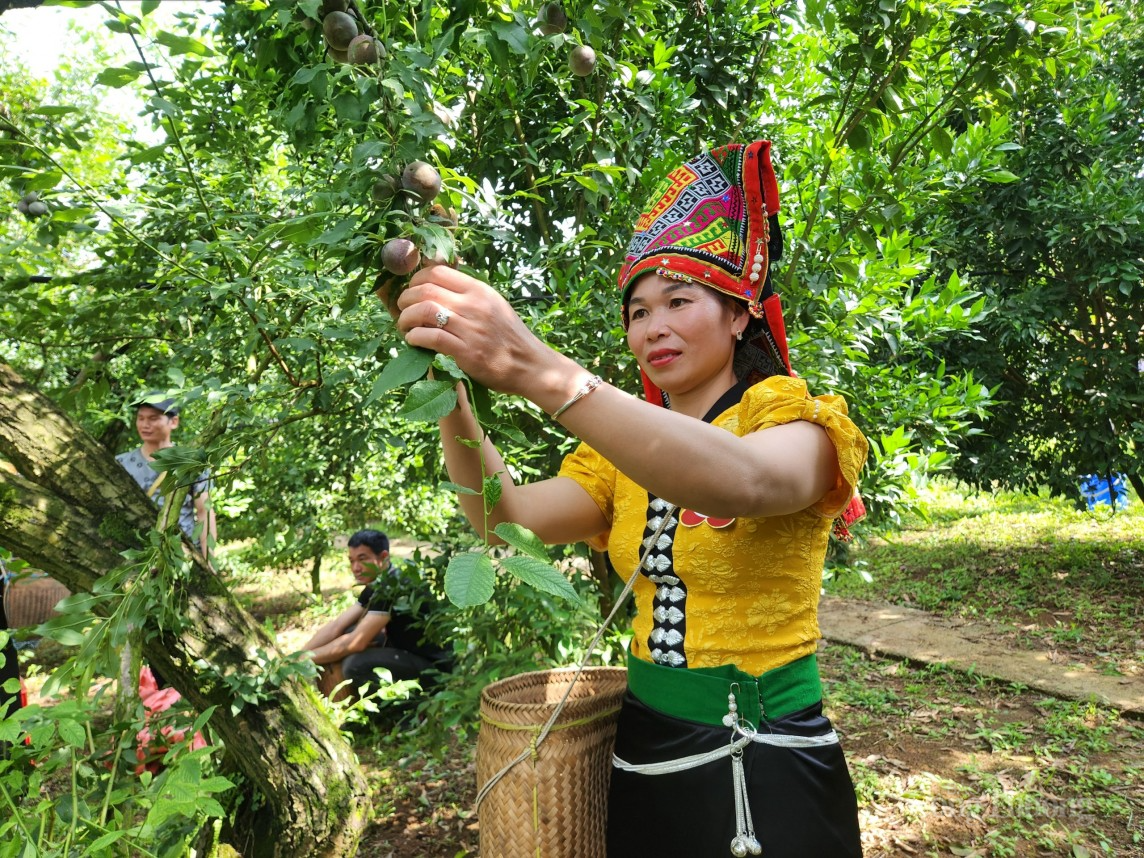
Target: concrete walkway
(982,646)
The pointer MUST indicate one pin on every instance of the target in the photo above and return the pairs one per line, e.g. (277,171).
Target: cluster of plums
(346,43)
(552,19)
(419,180)
(31,206)
(422,183)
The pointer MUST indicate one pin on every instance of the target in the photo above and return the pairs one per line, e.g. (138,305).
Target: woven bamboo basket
(30,599)
(554,803)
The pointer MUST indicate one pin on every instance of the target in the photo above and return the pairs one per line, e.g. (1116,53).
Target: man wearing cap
(155,419)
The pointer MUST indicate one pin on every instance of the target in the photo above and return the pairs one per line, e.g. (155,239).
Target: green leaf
(52,110)
(587,181)
(66,629)
(541,575)
(941,140)
(492,489)
(301,344)
(116,77)
(522,539)
(368,150)
(349,106)
(215,784)
(201,721)
(469,579)
(183,45)
(448,365)
(1001,176)
(481,400)
(164,106)
(513,35)
(71,732)
(858,138)
(338,233)
(106,839)
(409,365)
(209,807)
(297,230)
(456,488)
(306,74)
(428,401)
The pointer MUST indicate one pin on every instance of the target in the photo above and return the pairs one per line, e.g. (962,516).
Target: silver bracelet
(588,386)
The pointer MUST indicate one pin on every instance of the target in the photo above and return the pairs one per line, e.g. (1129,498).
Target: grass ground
(1057,578)
(950,764)
(945,764)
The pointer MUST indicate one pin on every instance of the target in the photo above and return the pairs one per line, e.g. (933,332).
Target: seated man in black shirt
(383,629)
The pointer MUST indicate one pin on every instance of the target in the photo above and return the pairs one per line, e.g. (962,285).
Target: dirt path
(974,646)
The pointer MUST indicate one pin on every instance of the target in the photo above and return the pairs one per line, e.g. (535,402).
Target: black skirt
(801,799)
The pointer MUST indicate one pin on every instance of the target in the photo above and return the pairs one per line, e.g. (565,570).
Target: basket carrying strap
(547,728)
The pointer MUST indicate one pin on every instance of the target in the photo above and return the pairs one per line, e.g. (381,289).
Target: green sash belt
(700,694)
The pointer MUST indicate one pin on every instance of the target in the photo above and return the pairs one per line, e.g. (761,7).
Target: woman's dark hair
(374,540)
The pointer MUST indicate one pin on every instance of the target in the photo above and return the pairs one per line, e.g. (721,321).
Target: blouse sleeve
(779,400)
(597,476)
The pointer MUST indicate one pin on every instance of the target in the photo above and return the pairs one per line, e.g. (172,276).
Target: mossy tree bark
(70,513)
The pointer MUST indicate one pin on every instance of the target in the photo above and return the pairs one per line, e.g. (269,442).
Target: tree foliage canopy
(961,199)
(1059,255)
(236,263)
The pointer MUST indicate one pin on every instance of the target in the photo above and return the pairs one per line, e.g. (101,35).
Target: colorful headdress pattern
(713,221)
(708,221)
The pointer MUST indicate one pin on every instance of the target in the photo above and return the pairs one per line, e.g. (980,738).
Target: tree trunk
(70,512)
(316,573)
(601,572)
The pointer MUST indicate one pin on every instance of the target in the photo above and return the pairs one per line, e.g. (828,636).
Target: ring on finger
(442,318)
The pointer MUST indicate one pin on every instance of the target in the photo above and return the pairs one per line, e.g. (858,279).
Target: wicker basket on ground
(553,803)
(30,599)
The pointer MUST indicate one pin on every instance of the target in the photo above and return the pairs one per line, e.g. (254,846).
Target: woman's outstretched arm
(557,510)
(683,460)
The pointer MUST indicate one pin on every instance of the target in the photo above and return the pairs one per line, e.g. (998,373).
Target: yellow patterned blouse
(742,591)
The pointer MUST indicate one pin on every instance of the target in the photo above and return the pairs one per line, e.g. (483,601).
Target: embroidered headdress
(714,220)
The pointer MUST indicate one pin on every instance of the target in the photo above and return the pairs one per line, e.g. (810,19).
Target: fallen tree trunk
(71,511)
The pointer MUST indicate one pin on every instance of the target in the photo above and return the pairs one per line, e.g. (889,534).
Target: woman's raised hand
(454,314)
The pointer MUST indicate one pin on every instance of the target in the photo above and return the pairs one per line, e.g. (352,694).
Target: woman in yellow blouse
(720,487)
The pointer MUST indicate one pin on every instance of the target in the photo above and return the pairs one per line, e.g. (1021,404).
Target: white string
(668,767)
(745,841)
(543,734)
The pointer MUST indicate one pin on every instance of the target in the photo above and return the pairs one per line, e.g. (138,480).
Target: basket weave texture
(31,599)
(554,803)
